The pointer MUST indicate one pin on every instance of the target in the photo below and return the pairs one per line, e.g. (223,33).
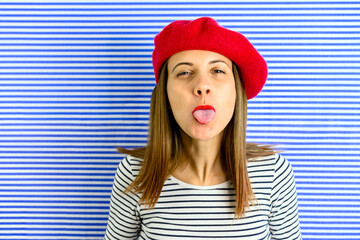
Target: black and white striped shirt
(186,211)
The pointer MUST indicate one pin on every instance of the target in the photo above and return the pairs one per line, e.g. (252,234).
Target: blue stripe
(82,90)
(325,84)
(55,191)
(52,229)
(327,210)
(329,194)
(335,216)
(55,218)
(82,118)
(310,73)
(59,202)
(332,228)
(78,50)
(73,130)
(73,141)
(67,179)
(56,196)
(152,38)
(111,167)
(56,185)
(258,46)
(53,235)
(55,207)
(88,102)
(166,21)
(57,223)
(72,135)
(127,62)
(329,200)
(152,8)
(176,3)
(140,26)
(322,160)
(82,73)
(306,114)
(134,96)
(78,124)
(333,234)
(175,14)
(34,79)
(324,107)
(60,174)
(307,67)
(78,44)
(309,56)
(89,67)
(151,46)
(308,138)
(156,32)
(319,61)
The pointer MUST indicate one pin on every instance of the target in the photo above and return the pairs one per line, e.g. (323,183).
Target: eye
(218,71)
(183,74)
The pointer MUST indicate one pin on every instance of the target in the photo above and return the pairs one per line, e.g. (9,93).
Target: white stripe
(46,237)
(79,75)
(194,4)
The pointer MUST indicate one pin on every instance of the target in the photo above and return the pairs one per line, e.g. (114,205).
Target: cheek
(227,102)
(229,96)
(176,99)
(172,96)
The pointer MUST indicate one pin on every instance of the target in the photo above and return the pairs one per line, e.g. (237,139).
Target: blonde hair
(164,148)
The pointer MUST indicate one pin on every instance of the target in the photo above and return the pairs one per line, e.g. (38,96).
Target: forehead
(196,56)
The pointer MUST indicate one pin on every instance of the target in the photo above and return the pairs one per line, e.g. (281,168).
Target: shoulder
(128,169)
(131,164)
(274,169)
(270,165)
(275,160)
(266,162)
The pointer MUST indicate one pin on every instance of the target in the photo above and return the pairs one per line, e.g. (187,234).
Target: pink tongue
(204,116)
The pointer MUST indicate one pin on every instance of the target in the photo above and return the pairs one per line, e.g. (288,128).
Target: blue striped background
(76,79)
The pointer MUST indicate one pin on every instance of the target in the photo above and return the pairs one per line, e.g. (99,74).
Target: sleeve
(124,219)
(284,219)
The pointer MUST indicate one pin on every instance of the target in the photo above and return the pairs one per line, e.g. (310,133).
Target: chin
(204,134)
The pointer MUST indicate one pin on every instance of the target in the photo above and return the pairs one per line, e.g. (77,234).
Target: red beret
(206,34)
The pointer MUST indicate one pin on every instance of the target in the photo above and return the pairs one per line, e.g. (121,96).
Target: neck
(200,163)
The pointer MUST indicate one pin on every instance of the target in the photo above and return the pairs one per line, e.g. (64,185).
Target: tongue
(204,116)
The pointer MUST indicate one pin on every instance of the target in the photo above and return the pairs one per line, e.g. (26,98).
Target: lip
(204,107)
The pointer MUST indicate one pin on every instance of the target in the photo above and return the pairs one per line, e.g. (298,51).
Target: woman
(197,178)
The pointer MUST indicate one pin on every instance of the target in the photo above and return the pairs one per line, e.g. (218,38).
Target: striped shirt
(186,211)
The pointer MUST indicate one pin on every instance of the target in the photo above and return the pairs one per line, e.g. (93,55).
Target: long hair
(164,148)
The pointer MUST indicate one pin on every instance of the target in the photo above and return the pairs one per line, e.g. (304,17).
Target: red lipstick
(204,107)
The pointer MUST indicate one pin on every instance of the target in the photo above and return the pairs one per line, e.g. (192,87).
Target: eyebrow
(182,63)
(218,60)
(190,64)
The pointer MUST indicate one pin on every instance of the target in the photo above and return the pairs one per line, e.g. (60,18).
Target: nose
(202,88)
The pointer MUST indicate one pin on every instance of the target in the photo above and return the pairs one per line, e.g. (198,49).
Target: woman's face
(201,92)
